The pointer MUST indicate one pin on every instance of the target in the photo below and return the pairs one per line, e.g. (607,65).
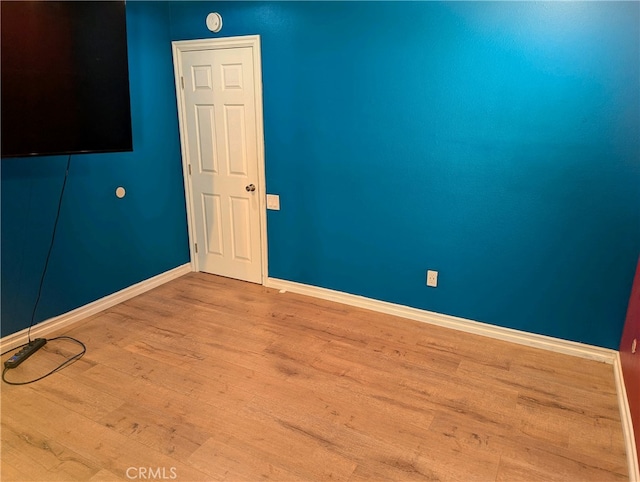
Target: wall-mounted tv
(65,78)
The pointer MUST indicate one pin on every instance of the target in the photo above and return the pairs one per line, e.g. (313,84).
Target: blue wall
(103,244)
(495,142)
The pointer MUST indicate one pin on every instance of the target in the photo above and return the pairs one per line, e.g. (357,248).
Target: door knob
(250,188)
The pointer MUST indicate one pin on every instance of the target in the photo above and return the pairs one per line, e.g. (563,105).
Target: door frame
(252,41)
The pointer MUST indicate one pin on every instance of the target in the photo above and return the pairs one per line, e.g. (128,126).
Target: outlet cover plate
(432,278)
(273,202)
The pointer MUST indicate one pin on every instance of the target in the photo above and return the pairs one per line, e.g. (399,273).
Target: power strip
(25,353)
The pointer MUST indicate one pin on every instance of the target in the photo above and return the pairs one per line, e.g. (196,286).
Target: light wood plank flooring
(206,379)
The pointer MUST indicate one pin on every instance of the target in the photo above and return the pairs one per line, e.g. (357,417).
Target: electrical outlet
(432,278)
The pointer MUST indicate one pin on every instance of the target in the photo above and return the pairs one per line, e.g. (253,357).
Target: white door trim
(252,41)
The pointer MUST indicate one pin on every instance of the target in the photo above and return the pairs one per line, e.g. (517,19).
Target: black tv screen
(65,78)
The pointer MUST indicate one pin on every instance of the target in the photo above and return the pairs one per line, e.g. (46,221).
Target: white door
(221,144)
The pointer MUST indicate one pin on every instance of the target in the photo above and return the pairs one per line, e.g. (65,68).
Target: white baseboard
(627,423)
(52,324)
(506,334)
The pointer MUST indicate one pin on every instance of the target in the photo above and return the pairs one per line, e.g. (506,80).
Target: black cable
(77,356)
(53,237)
(68,361)
(14,348)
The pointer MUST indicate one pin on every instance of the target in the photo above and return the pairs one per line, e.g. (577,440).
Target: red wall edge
(631,362)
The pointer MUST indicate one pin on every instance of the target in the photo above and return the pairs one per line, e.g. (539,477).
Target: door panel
(222,148)
(205,124)
(212,223)
(236,139)
(240,222)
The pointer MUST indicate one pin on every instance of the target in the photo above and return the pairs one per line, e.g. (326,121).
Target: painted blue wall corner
(496,142)
(103,244)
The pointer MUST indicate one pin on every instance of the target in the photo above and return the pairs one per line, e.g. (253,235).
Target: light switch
(273,202)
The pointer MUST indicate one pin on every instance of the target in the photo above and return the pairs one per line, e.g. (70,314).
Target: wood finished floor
(206,379)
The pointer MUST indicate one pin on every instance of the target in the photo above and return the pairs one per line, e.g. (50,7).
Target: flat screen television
(65,78)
